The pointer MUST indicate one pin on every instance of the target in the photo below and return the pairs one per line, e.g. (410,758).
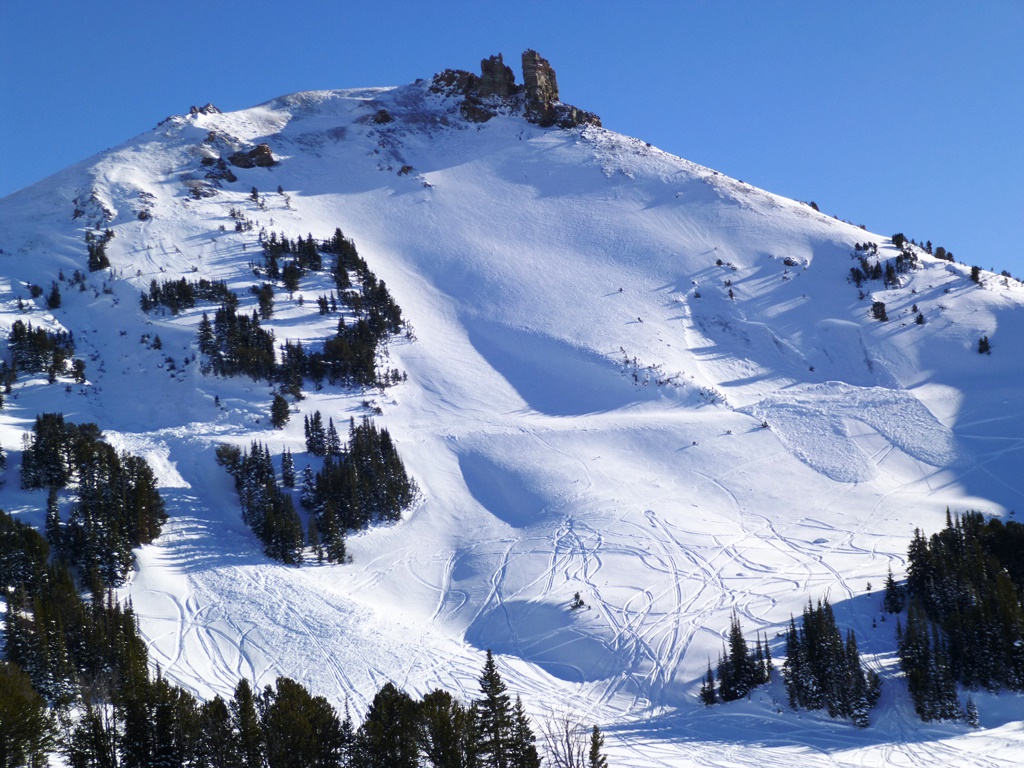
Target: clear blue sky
(904,116)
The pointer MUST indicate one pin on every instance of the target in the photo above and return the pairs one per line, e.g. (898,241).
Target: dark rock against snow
(496,79)
(206,109)
(539,78)
(260,156)
(484,94)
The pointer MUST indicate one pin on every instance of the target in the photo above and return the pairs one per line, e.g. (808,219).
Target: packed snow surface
(587,410)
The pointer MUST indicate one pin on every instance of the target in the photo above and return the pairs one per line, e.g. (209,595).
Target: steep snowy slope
(631,377)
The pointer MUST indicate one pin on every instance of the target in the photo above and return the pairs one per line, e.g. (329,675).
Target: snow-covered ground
(584,413)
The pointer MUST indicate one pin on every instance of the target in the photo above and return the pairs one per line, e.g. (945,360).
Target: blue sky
(905,116)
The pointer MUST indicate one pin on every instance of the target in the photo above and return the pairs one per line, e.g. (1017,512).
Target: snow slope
(583,413)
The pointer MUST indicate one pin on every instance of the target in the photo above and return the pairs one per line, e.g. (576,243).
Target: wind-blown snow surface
(583,413)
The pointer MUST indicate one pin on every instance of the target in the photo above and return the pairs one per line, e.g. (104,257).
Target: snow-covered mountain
(630,377)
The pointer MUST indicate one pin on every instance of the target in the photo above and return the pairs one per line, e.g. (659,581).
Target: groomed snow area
(583,413)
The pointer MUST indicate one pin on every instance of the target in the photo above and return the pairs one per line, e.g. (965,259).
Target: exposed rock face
(561,115)
(454,81)
(538,96)
(206,109)
(542,104)
(260,156)
(539,78)
(495,78)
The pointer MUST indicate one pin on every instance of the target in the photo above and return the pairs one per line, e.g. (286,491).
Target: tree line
(965,618)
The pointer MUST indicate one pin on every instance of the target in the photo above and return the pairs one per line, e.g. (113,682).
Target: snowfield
(587,410)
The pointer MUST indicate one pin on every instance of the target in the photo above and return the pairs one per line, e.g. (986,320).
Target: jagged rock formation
(539,78)
(206,109)
(495,87)
(496,79)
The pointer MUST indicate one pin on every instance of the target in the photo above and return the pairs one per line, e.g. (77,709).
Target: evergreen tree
(245,722)
(495,717)
(301,730)
(971,713)
(894,595)
(736,669)
(522,752)
(389,736)
(217,746)
(287,469)
(333,442)
(447,731)
(707,688)
(53,299)
(316,437)
(26,728)
(279,412)
(596,758)
(207,341)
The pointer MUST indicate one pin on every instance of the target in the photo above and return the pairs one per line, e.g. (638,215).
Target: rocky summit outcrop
(496,79)
(539,78)
(495,89)
(540,90)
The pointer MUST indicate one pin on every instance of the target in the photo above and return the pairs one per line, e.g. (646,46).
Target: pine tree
(446,731)
(279,412)
(736,669)
(522,742)
(597,758)
(301,730)
(53,299)
(316,438)
(821,671)
(971,713)
(26,728)
(217,744)
(894,595)
(333,442)
(245,722)
(707,688)
(389,736)
(207,341)
(54,534)
(495,717)
(287,469)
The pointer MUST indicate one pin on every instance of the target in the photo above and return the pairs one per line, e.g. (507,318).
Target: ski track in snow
(547,468)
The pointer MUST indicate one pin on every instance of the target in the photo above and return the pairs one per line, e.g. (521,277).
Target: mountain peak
(495,87)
